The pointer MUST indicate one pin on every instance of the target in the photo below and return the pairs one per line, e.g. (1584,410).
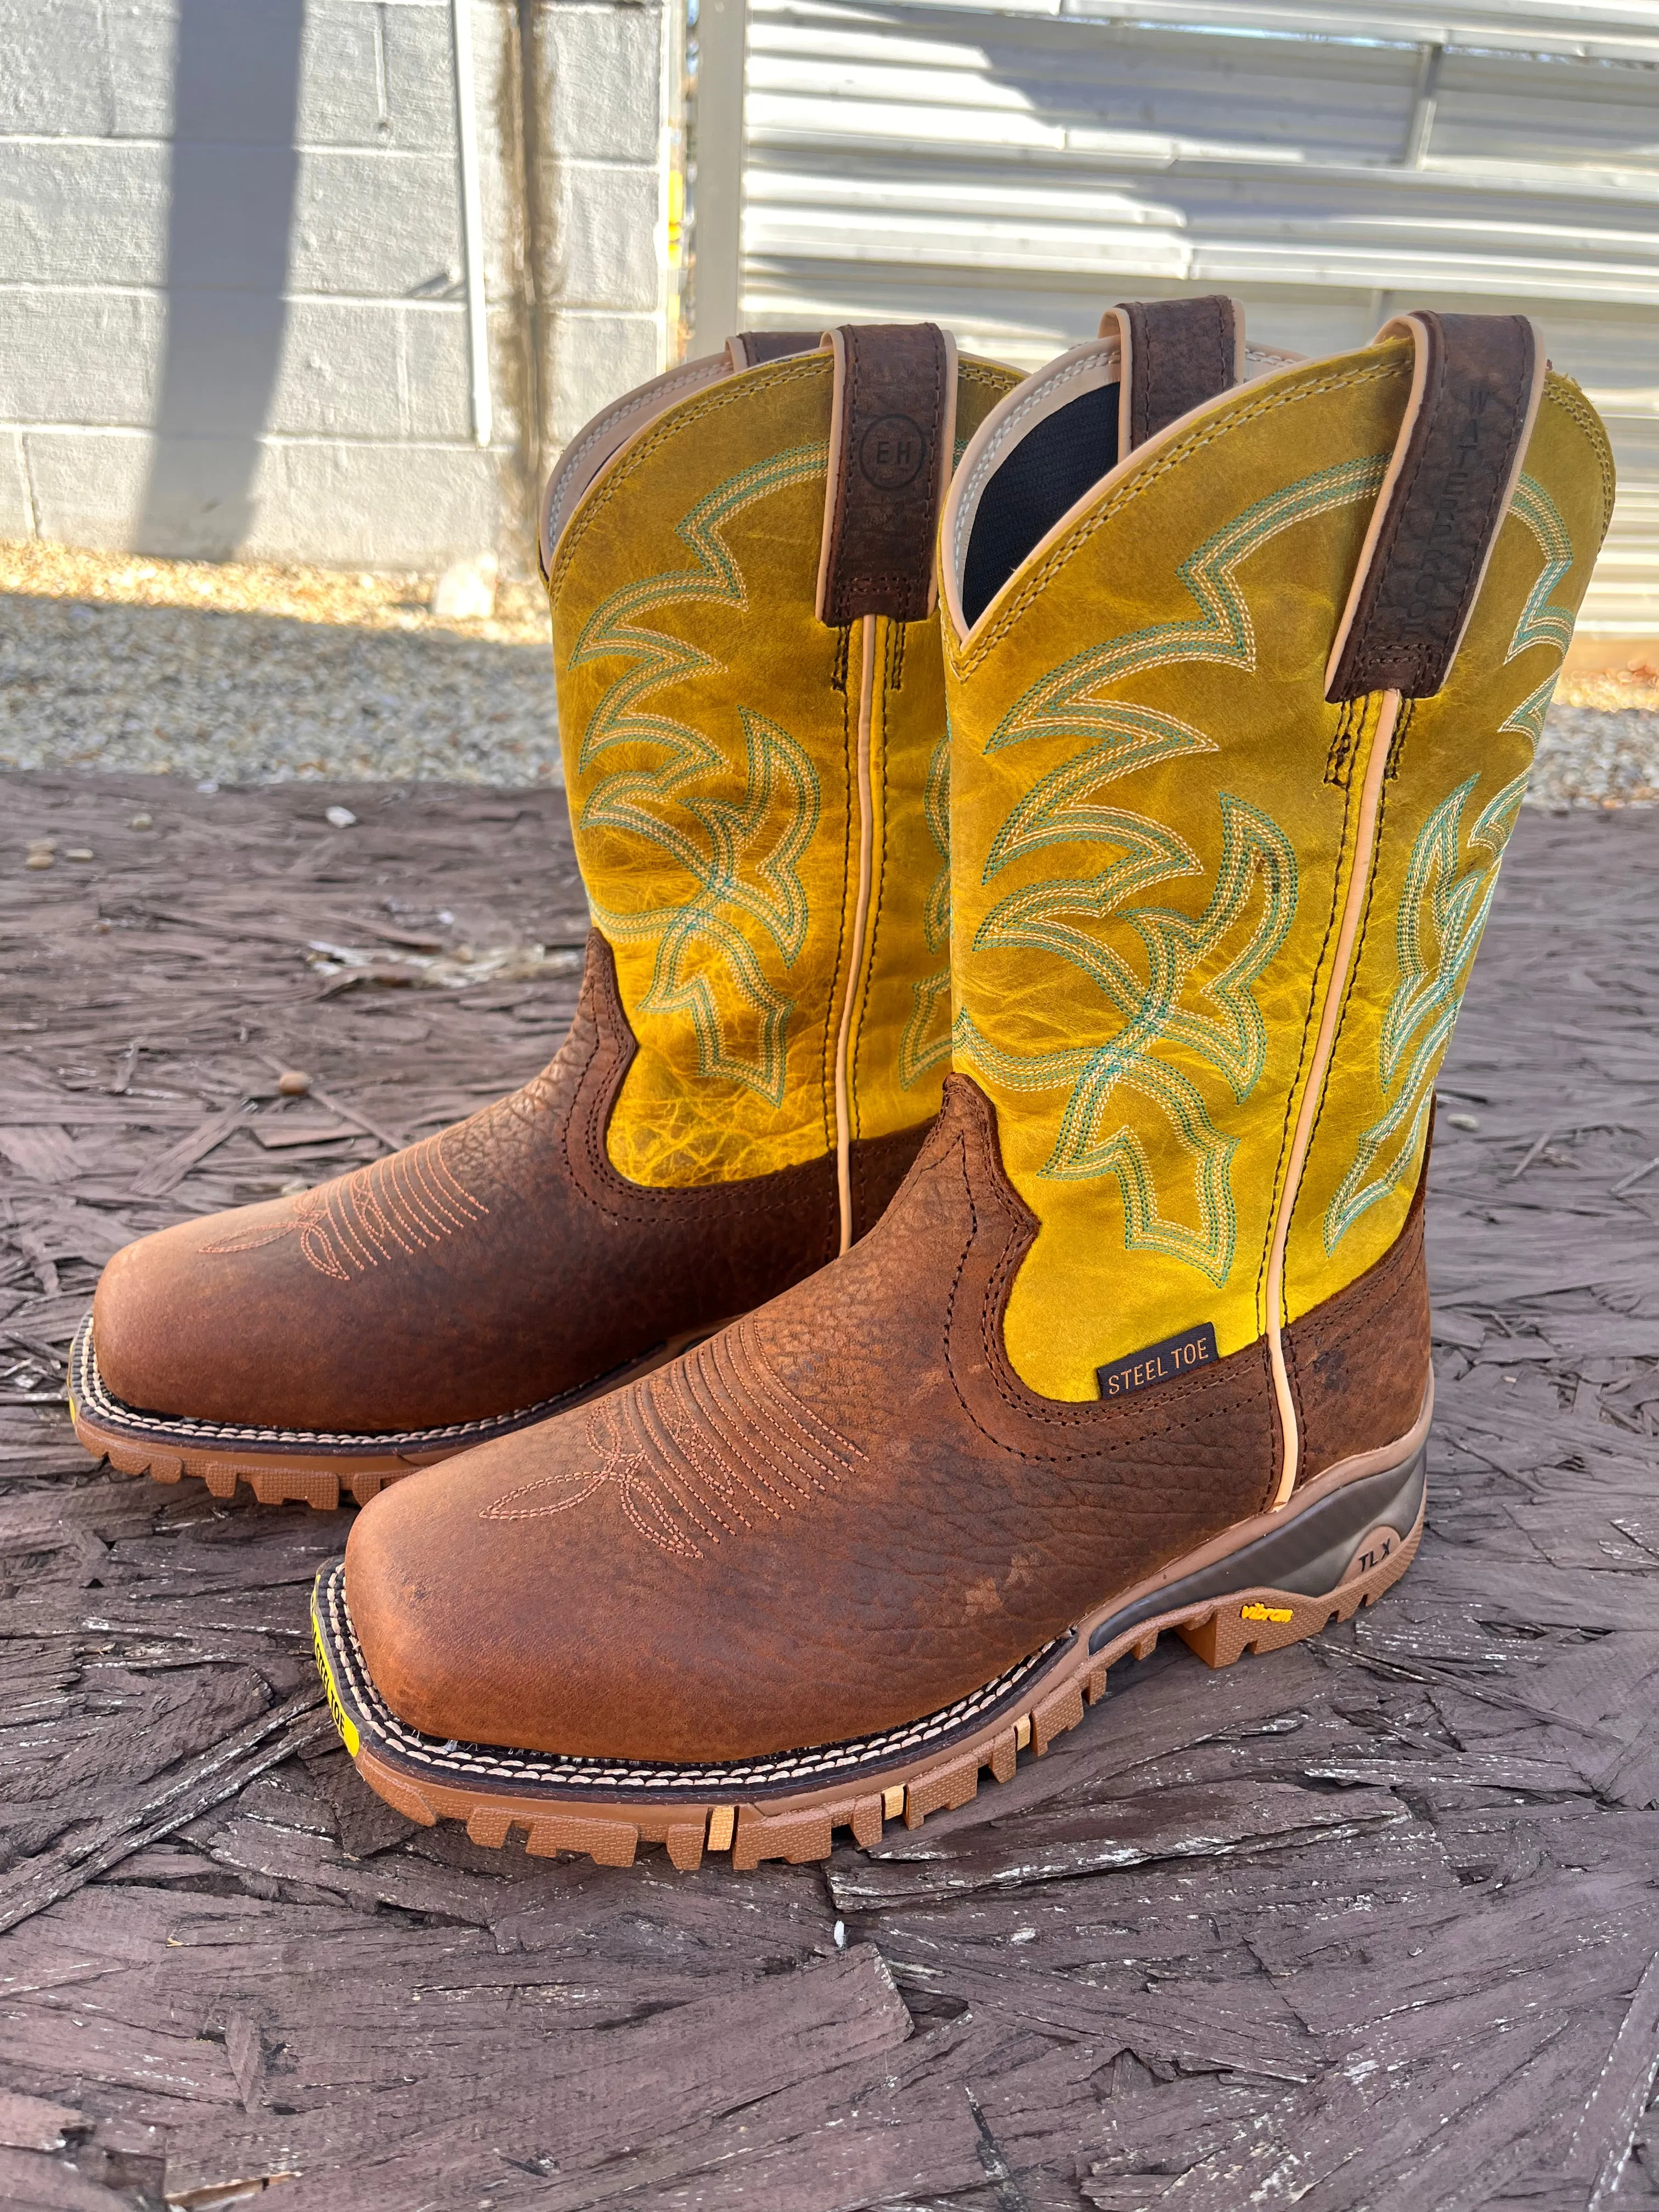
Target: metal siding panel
(1010,171)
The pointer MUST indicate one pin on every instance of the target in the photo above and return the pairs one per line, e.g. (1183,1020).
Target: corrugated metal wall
(1011,170)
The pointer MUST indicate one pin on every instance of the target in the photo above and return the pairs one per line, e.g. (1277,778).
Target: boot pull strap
(1476,383)
(1173,354)
(749,349)
(892,430)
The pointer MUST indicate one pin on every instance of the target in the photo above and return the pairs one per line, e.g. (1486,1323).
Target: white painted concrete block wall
(232,312)
(597,85)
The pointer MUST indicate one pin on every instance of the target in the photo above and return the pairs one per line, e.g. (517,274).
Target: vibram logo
(343,1722)
(1263,1612)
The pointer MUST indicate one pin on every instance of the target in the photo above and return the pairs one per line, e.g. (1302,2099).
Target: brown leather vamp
(497,1265)
(842,1513)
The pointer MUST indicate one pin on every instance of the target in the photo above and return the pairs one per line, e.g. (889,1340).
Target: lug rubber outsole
(293,1466)
(760,1810)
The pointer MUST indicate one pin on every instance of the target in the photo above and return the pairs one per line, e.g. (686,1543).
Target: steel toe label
(1159,1362)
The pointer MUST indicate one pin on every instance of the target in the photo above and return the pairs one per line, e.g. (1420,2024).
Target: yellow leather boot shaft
(710,729)
(1156,825)
(1452,788)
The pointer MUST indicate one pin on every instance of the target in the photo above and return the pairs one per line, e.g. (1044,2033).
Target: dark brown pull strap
(891,429)
(1476,384)
(749,349)
(1173,354)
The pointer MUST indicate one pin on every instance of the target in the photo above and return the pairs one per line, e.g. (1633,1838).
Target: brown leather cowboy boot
(1143,1342)
(739,564)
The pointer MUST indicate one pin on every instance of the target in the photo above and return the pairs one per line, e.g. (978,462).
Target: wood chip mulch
(1371,1923)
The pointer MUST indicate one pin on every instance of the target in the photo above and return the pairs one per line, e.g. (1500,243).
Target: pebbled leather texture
(753,349)
(1180,353)
(1358,1362)
(1445,499)
(889,463)
(500,1263)
(845,1510)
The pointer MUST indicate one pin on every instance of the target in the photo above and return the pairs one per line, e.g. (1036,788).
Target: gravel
(240,674)
(1597,758)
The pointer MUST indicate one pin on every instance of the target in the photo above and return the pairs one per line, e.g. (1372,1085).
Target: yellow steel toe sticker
(342,1720)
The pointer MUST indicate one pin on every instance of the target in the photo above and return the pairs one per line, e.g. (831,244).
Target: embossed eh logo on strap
(1159,1362)
(891,453)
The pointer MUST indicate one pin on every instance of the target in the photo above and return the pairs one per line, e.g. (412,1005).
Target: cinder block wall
(232,300)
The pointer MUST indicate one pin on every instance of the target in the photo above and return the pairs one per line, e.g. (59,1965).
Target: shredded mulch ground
(1370,1924)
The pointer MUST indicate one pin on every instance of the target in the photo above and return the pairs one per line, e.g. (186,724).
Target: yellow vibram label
(342,1720)
(1265,1612)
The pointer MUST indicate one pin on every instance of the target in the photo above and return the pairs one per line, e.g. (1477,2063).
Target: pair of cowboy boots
(1149,767)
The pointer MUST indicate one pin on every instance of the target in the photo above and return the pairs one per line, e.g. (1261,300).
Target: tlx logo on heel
(1159,1362)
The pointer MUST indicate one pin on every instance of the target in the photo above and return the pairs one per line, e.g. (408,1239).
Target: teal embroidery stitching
(1061,705)
(744,863)
(1258,867)
(1213,1019)
(926,1042)
(1442,913)
(770,831)
(1540,623)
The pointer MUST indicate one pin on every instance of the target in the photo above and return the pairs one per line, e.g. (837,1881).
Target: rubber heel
(1265,1619)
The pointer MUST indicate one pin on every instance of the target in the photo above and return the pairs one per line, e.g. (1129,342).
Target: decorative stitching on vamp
(410,1202)
(704,1448)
